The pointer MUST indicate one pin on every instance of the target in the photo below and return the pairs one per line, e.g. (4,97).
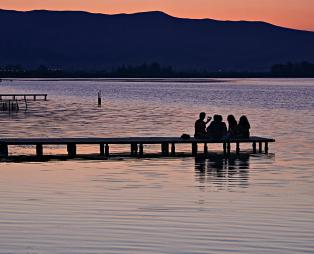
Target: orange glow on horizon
(288,13)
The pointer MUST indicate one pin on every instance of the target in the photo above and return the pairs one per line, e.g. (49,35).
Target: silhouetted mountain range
(80,40)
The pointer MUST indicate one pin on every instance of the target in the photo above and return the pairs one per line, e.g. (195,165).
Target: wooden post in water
(26,106)
(194,149)
(225,148)
(260,147)
(141,150)
(173,149)
(99,98)
(254,147)
(165,149)
(71,150)
(205,149)
(102,149)
(238,148)
(266,147)
(39,150)
(134,149)
(107,150)
(228,148)
(4,150)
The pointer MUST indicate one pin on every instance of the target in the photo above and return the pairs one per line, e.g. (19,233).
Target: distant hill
(80,40)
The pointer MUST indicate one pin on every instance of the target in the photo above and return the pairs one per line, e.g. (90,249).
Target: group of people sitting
(217,129)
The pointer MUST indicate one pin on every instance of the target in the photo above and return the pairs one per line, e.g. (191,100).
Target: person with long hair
(243,128)
(232,126)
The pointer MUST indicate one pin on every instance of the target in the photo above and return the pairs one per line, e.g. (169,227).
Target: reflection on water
(222,171)
(246,204)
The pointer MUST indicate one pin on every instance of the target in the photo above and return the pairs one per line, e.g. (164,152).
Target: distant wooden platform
(168,144)
(24,96)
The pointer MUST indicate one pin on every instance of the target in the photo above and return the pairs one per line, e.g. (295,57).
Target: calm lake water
(251,204)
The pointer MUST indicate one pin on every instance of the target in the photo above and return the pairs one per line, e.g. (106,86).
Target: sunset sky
(289,13)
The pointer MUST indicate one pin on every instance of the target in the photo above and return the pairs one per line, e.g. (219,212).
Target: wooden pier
(26,96)
(9,105)
(136,145)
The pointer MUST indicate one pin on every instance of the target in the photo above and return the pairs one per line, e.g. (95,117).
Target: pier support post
(238,148)
(228,148)
(39,150)
(260,147)
(134,149)
(266,147)
(107,152)
(4,150)
(35,97)
(45,97)
(71,150)
(165,149)
(173,149)
(205,149)
(254,147)
(102,149)
(194,148)
(141,149)
(225,148)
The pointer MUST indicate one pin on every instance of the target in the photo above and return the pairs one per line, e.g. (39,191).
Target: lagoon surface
(250,204)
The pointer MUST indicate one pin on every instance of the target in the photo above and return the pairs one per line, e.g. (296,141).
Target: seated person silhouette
(200,126)
(232,126)
(243,128)
(217,129)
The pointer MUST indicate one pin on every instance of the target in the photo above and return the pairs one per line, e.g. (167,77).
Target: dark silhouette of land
(96,42)
(155,70)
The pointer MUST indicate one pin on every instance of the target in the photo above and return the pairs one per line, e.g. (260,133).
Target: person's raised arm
(208,119)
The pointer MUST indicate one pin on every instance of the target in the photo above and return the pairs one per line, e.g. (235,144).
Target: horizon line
(152,11)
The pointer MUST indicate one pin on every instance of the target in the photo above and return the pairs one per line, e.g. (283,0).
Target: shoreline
(142,80)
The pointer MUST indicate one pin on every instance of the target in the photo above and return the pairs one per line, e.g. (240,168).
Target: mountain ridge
(83,40)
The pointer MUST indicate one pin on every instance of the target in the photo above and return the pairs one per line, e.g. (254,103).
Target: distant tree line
(302,70)
(155,70)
